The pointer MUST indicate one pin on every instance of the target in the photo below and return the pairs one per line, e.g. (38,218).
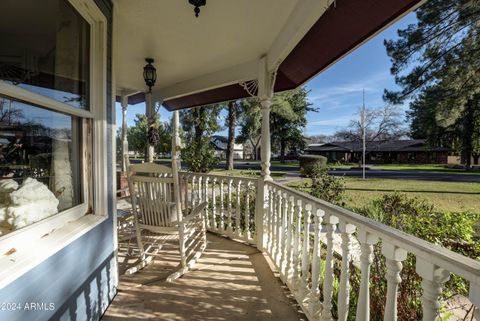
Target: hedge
(307,163)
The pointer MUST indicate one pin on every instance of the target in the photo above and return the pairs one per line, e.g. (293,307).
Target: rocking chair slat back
(152,189)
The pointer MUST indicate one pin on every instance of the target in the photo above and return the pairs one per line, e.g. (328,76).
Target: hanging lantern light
(149,74)
(197,4)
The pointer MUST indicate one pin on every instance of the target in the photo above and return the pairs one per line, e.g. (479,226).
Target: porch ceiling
(202,60)
(227,34)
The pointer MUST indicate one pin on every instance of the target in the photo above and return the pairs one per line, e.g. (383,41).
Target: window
(52,128)
(47,50)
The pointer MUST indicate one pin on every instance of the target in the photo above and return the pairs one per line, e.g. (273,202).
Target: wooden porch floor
(232,281)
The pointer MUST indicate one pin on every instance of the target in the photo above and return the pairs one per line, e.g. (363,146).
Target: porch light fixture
(197,4)
(149,74)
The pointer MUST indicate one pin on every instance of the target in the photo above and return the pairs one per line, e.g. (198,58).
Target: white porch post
(176,160)
(124,103)
(176,143)
(266,80)
(150,113)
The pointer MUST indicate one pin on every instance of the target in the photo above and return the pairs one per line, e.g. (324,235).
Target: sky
(337,91)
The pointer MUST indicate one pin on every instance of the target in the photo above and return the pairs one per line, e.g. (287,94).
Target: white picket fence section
(298,232)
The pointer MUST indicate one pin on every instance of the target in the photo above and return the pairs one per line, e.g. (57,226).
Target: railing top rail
(453,262)
(220,177)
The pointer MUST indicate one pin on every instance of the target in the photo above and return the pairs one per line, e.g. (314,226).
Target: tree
(198,125)
(250,122)
(288,118)
(164,145)
(137,135)
(436,62)
(232,107)
(383,123)
(9,114)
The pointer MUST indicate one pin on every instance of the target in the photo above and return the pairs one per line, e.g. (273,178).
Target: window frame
(94,149)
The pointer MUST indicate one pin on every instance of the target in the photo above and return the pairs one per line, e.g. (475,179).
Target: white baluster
(248,233)
(474,296)
(344,288)
(367,240)
(314,297)
(306,249)
(273,217)
(208,218)
(199,189)
(238,211)
(290,216)
(433,279)
(270,220)
(296,244)
(222,207)
(214,204)
(283,234)
(278,233)
(229,205)
(394,257)
(194,198)
(331,224)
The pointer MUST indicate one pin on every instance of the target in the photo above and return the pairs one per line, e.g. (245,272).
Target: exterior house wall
(80,280)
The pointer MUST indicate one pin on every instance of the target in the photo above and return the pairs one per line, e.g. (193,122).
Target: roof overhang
(300,38)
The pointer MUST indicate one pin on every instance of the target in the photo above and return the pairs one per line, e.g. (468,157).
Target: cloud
(337,96)
(337,121)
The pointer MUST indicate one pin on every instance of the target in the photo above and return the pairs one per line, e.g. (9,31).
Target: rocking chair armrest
(197,210)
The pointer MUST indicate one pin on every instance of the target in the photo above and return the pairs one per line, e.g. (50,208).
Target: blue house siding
(80,279)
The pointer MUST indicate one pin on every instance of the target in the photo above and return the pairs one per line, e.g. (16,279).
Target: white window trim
(54,233)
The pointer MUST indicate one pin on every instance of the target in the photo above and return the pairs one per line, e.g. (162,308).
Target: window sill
(28,256)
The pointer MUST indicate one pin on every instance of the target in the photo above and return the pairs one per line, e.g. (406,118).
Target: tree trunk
(197,127)
(282,150)
(468,133)
(232,118)
(255,149)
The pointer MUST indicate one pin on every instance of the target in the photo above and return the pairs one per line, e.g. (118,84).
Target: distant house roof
(220,143)
(412,145)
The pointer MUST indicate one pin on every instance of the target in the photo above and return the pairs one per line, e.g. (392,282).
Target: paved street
(373,173)
(412,175)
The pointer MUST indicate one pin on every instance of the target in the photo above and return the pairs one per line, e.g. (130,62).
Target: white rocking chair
(157,207)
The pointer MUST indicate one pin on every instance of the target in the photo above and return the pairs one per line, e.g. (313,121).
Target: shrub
(307,162)
(326,186)
(455,231)
(199,155)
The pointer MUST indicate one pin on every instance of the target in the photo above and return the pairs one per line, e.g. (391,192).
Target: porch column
(176,159)
(266,80)
(150,113)
(265,146)
(176,142)
(124,103)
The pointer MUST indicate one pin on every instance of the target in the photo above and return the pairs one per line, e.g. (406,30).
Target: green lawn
(410,167)
(427,167)
(447,196)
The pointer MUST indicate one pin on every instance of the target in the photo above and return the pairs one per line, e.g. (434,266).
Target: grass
(425,168)
(437,168)
(446,196)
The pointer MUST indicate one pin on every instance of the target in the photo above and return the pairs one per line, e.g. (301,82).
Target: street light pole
(364,131)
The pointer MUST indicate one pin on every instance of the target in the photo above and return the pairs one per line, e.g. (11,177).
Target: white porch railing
(231,202)
(296,226)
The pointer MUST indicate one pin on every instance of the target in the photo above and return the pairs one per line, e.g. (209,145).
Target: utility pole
(364,131)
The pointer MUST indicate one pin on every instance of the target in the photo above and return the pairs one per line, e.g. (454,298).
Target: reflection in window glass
(48,55)
(40,163)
